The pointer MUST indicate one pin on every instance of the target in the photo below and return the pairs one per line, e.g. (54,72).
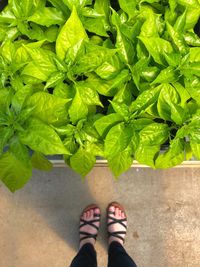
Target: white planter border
(103,163)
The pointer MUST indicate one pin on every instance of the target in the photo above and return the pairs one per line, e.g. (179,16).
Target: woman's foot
(116,223)
(89,225)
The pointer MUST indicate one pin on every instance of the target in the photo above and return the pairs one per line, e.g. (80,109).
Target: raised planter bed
(87,79)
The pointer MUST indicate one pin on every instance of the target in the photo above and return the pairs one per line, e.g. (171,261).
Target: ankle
(115,239)
(86,241)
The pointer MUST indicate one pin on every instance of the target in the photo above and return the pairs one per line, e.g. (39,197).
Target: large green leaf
(110,68)
(55,79)
(124,95)
(47,16)
(59,5)
(123,43)
(104,124)
(152,24)
(42,138)
(5,134)
(48,108)
(111,87)
(167,75)
(13,172)
(156,47)
(195,149)
(7,16)
(121,109)
(78,109)
(154,134)
(139,124)
(193,129)
(4,99)
(8,50)
(71,33)
(138,69)
(145,154)
(28,6)
(21,96)
(192,3)
(117,139)
(82,161)
(183,93)
(128,6)
(168,105)
(19,156)
(194,54)
(88,93)
(173,156)
(40,162)
(121,162)
(42,65)
(95,24)
(145,100)
(75,3)
(177,39)
(95,56)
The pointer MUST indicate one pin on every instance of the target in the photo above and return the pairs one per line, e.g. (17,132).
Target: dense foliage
(82,78)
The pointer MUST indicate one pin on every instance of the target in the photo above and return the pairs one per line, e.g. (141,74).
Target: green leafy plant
(82,78)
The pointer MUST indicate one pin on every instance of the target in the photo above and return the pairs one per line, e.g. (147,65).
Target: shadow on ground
(39,222)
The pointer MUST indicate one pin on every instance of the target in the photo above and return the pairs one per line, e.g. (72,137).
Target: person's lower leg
(86,257)
(118,257)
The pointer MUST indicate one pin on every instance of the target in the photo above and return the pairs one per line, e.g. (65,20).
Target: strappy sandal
(114,220)
(92,223)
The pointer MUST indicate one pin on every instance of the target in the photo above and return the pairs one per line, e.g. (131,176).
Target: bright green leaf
(82,161)
(71,33)
(40,162)
(117,139)
(42,138)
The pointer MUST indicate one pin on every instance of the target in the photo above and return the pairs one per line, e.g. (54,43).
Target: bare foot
(88,232)
(118,228)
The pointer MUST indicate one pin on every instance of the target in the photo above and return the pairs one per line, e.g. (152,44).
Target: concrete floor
(38,224)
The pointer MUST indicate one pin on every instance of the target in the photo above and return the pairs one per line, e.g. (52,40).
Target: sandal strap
(117,234)
(111,212)
(120,221)
(87,235)
(89,223)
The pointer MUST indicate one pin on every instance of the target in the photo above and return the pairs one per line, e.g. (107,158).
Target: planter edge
(103,163)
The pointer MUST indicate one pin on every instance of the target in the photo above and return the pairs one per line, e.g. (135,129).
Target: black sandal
(84,222)
(114,220)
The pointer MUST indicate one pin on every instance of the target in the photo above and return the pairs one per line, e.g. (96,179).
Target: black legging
(117,257)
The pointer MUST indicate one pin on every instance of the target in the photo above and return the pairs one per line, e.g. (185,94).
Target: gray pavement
(38,224)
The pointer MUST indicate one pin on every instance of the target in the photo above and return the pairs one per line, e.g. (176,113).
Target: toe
(88,214)
(111,208)
(91,214)
(85,215)
(116,212)
(96,211)
(119,213)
